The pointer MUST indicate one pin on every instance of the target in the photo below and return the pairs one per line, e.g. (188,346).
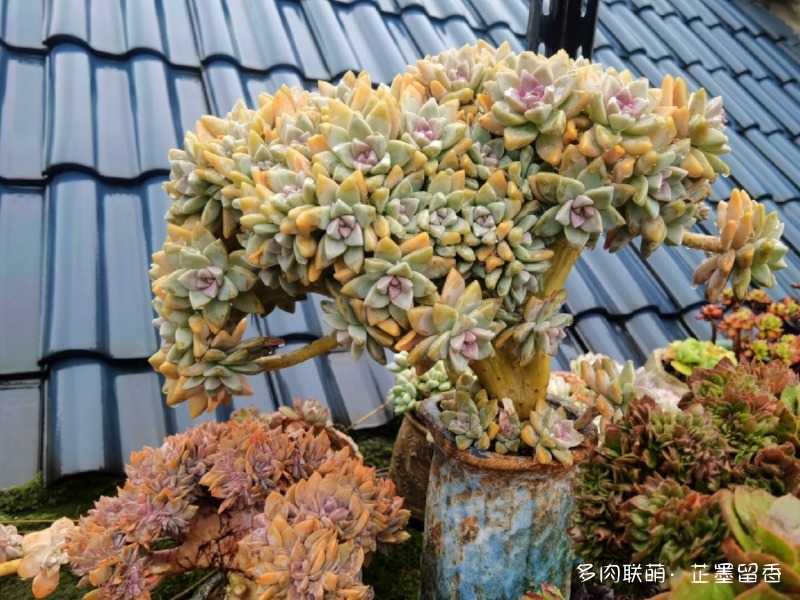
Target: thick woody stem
(315,348)
(501,376)
(9,567)
(701,241)
(212,541)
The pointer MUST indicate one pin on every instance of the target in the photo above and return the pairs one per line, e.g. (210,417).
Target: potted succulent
(280,503)
(759,328)
(655,491)
(673,365)
(413,449)
(442,214)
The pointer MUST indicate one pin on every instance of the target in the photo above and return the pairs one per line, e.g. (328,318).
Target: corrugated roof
(93,94)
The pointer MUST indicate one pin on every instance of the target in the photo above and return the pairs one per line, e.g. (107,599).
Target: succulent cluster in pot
(655,491)
(759,328)
(441,214)
(281,499)
(411,388)
(684,356)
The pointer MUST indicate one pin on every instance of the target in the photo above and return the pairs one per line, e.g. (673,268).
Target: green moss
(395,575)
(376,444)
(69,498)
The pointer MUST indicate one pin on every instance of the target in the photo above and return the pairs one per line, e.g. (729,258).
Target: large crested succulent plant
(280,501)
(496,166)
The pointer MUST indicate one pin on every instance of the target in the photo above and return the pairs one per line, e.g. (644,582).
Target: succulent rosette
(498,166)
(398,278)
(749,247)
(470,416)
(541,328)
(10,543)
(458,328)
(281,503)
(43,556)
(551,434)
(582,209)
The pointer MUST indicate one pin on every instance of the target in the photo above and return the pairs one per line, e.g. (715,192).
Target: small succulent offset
(749,247)
(551,434)
(281,502)
(613,386)
(541,328)
(470,416)
(410,389)
(440,213)
(684,356)
(43,554)
(10,543)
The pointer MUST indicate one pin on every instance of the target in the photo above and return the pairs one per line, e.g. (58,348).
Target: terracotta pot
(495,526)
(411,464)
(661,377)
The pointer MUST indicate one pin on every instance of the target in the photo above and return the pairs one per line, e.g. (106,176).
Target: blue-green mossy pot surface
(495,525)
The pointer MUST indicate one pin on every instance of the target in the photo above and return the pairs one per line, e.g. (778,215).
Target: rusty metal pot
(495,526)
(411,464)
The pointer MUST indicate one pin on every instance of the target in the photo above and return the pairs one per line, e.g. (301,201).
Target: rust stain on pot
(495,525)
(469,529)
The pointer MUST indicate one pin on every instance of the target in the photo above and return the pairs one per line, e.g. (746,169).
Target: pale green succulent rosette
(541,328)
(367,144)
(351,330)
(458,328)
(551,434)
(470,416)
(534,97)
(410,389)
(581,212)
(212,280)
(394,282)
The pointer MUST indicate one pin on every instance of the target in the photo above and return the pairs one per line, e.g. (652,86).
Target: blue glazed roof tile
(512,13)
(20,405)
(779,149)
(780,65)
(760,22)
(21,250)
(734,19)
(94,94)
(691,10)
(445,9)
(22,96)
(632,33)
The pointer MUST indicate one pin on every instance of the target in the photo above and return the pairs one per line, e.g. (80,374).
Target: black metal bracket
(562,24)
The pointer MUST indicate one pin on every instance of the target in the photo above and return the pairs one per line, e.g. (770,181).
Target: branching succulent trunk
(9,567)
(212,542)
(700,241)
(307,352)
(501,376)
